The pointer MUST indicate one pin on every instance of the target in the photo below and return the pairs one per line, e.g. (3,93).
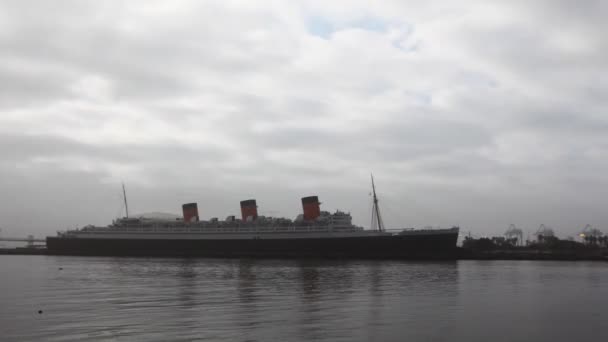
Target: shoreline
(462,254)
(22,251)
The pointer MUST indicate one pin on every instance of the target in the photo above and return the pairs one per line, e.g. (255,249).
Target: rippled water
(132,299)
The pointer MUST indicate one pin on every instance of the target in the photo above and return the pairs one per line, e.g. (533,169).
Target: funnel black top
(310,199)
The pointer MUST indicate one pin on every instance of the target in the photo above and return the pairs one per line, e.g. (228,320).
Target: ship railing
(238,229)
(235,229)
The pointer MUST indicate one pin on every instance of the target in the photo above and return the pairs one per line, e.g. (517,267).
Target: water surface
(139,299)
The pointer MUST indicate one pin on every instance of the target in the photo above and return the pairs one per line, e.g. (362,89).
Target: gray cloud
(473,113)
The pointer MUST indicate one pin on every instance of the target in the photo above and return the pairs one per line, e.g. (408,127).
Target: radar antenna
(377,223)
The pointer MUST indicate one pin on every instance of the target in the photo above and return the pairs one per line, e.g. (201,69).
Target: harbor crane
(590,234)
(543,232)
(515,233)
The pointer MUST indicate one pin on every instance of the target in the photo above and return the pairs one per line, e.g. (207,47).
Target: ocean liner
(314,233)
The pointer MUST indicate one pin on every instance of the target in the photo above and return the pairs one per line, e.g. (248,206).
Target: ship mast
(124,196)
(376,218)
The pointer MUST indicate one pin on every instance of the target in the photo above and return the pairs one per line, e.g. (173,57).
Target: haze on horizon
(474,113)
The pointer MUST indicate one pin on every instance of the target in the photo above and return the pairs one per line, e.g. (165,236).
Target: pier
(30,239)
(33,245)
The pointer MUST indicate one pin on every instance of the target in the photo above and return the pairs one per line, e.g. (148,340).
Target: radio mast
(377,223)
(124,196)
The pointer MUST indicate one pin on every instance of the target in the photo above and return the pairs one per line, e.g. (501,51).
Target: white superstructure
(312,223)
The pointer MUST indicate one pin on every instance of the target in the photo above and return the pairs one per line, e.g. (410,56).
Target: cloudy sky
(475,113)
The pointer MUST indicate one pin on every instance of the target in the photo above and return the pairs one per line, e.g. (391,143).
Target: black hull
(435,246)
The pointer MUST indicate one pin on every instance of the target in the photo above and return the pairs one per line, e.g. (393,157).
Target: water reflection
(287,300)
(187,288)
(246,284)
(376,279)
(309,281)
(347,291)
(309,277)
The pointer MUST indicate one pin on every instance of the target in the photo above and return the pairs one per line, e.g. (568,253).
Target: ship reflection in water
(299,300)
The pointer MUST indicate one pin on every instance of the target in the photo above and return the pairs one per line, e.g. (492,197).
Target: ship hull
(420,246)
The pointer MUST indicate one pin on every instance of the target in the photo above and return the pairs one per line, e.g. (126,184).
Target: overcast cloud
(476,113)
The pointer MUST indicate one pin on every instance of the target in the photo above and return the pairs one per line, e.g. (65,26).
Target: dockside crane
(516,233)
(591,235)
(543,232)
